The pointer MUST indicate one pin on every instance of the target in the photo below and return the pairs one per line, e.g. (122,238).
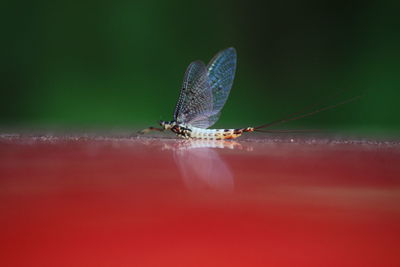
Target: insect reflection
(201,165)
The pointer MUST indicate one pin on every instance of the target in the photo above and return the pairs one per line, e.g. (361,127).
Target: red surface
(149,202)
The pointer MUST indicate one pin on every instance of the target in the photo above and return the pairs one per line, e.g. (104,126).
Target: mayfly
(204,92)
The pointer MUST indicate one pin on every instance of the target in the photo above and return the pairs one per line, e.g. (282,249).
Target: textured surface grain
(81,200)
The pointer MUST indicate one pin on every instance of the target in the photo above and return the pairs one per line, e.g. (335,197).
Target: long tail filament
(297,115)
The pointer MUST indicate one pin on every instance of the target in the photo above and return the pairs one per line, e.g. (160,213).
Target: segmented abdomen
(217,134)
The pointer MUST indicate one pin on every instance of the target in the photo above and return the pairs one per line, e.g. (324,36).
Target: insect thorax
(179,128)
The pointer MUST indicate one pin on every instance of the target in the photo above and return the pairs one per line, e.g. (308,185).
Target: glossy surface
(74,201)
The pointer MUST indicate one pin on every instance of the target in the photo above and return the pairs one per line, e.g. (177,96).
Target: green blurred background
(121,63)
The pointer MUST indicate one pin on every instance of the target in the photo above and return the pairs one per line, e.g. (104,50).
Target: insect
(204,92)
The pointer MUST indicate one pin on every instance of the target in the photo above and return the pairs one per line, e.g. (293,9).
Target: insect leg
(147,130)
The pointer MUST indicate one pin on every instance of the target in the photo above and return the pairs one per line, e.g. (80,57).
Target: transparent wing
(221,73)
(195,99)
(205,120)
(206,89)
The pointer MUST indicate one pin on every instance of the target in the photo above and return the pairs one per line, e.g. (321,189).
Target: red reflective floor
(163,202)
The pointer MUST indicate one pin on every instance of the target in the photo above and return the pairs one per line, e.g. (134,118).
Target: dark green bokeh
(121,63)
